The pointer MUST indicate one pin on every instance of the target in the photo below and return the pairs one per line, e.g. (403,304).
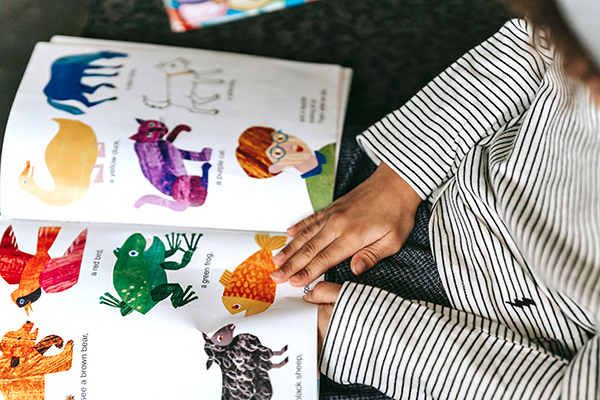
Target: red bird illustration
(39,271)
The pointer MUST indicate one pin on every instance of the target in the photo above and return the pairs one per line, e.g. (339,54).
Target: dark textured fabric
(24,23)
(410,273)
(394,46)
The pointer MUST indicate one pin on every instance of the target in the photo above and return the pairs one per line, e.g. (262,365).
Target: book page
(138,312)
(171,137)
(345,75)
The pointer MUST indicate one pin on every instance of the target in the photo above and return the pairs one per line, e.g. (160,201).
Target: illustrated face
(149,131)
(19,343)
(177,65)
(286,151)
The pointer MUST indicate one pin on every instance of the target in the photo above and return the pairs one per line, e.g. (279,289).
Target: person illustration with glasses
(265,152)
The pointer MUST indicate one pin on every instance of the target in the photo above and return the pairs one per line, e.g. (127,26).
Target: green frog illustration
(139,275)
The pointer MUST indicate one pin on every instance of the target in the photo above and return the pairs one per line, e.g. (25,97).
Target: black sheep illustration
(244,364)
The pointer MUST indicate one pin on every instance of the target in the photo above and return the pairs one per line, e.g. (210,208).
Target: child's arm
(484,92)
(422,143)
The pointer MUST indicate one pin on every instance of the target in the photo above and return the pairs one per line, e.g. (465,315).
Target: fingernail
(359,267)
(277,258)
(307,295)
(277,275)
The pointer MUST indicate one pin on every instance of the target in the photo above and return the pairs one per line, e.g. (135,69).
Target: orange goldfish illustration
(250,287)
(39,271)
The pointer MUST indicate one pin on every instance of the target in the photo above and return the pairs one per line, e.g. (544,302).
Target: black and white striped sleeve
(425,140)
(409,350)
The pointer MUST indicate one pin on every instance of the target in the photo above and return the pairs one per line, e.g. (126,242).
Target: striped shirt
(507,149)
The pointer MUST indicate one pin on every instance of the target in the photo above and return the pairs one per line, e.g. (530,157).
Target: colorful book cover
(185,15)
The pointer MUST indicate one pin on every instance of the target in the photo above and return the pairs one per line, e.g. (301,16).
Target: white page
(343,87)
(300,99)
(159,354)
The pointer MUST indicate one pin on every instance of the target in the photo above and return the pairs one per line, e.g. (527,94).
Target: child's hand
(324,294)
(370,223)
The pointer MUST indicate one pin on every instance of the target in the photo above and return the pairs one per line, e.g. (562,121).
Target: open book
(144,190)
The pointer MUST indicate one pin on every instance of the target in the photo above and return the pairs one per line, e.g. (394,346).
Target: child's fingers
(323,319)
(291,260)
(323,293)
(305,223)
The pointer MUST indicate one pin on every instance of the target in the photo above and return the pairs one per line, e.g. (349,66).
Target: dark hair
(251,152)
(545,14)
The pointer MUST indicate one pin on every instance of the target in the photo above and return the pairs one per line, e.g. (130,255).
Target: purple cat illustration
(162,164)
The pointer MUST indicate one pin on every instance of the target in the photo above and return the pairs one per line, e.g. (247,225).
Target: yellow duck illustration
(250,287)
(70,157)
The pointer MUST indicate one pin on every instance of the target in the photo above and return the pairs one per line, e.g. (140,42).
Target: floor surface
(22,24)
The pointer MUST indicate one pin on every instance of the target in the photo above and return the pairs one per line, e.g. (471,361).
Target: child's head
(550,14)
(264,152)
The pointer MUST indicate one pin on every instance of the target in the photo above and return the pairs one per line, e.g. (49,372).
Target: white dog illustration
(181,84)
